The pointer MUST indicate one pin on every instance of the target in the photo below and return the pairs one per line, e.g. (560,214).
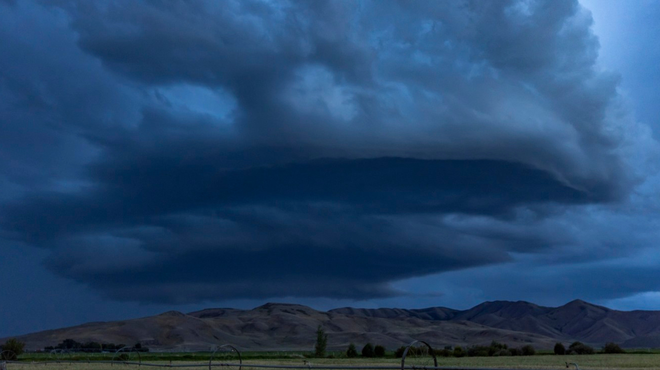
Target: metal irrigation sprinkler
(231,349)
(568,364)
(415,350)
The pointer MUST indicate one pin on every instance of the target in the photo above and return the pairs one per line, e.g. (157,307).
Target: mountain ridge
(285,326)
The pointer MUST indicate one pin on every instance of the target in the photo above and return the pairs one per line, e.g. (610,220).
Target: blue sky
(159,156)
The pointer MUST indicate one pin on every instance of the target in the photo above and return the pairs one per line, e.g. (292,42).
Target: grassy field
(599,361)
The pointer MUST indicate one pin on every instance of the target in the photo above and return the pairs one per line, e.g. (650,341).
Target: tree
(496,348)
(459,352)
(560,349)
(611,347)
(351,351)
(69,344)
(528,350)
(445,352)
(12,349)
(123,357)
(580,349)
(92,346)
(368,350)
(477,351)
(321,342)
(379,351)
(515,351)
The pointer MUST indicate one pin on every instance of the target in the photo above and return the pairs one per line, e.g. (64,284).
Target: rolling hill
(276,326)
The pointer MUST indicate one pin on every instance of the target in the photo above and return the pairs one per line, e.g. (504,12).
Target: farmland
(599,361)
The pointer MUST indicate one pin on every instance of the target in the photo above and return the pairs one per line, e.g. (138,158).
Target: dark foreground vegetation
(71,345)
(11,350)
(73,350)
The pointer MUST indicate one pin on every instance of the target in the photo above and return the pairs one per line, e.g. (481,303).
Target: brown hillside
(275,326)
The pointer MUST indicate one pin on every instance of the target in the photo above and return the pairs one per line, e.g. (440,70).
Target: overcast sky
(184,155)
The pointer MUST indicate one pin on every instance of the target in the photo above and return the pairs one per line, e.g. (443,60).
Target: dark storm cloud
(205,150)
(356,268)
(51,93)
(405,80)
(323,222)
(386,185)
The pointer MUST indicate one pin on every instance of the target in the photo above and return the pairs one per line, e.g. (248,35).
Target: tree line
(75,346)
(494,349)
(580,348)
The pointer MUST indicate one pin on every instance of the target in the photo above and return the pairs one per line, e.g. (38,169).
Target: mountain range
(279,326)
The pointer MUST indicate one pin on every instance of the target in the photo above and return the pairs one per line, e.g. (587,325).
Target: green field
(598,361)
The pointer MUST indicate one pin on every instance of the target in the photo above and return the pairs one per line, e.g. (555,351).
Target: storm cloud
(181,152)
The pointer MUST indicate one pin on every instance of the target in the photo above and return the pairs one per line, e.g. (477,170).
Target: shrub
(528,350)
(559,349)
(580,349)
(459,352)
(69,344)
(321,342)
(92,346)
(611,347)
(446,352)
(12,349)
(496,347)
(515,351)
(351,351)
(368,350)
(502,352)
(399,352)
(124,357)
(379,351)
(478,351)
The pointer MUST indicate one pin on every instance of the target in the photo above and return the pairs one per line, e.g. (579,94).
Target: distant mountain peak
(506,303)
(581,303)
(173,314)
(272,305)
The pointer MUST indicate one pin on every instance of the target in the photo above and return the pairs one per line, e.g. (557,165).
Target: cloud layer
(194,151)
